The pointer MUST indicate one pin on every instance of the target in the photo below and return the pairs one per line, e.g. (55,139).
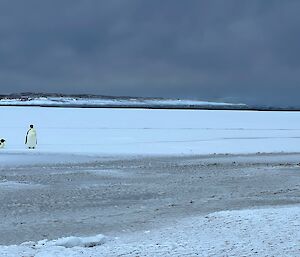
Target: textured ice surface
(260,232)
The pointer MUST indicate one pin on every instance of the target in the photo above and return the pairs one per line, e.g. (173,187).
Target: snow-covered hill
(102,101)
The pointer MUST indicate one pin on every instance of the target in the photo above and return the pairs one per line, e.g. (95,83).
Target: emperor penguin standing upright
(31,139)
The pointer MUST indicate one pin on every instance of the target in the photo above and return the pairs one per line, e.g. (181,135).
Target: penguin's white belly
(31,140)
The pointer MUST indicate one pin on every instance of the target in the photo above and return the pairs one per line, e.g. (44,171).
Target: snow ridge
(113,102)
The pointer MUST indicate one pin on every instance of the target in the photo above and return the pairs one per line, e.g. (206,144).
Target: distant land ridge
(101,101)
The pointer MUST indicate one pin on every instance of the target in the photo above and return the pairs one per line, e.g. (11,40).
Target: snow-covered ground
(261,232)
(133,131)
(70,136)
(136,131)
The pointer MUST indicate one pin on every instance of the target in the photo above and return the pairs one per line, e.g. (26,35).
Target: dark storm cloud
(214,49)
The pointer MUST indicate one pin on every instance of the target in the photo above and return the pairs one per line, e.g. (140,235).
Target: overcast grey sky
(237,50)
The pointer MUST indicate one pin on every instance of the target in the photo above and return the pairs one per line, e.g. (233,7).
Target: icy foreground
(261,232)
(158,206)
